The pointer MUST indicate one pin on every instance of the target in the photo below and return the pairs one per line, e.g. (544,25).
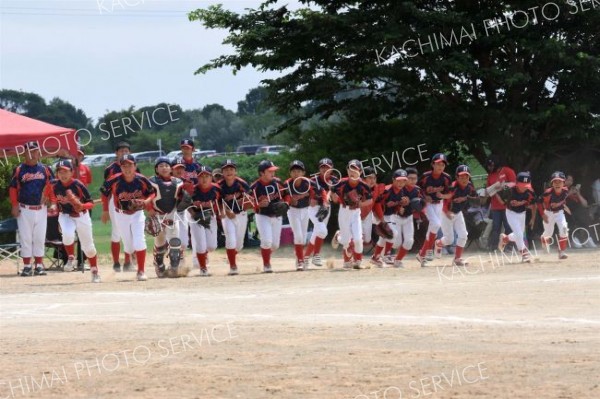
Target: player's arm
(379,204)
(367,194)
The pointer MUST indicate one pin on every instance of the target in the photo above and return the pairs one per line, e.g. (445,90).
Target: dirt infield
(492,331)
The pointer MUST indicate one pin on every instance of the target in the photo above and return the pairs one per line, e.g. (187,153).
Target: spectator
(498,172)
(579,217)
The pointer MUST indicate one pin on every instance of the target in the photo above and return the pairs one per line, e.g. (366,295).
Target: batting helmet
(160,160)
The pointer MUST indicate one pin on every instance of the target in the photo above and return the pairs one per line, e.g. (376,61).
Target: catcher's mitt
(279,208)
(202,217)
(184,202)
(153,226)
(384,231)
(74,201)
(351,199)
(505,194)
(416,204)
(322,213)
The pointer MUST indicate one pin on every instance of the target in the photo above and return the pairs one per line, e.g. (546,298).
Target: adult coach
(29,190)
(498,172)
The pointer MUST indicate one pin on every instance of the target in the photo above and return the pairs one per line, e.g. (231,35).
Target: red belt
(32,207)
(125,212)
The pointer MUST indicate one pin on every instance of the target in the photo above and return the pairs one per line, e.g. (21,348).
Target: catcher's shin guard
(159,254)
(175,252)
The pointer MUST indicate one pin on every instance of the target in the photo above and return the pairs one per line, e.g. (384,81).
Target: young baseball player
(552,209)
(235,200)
(270,206)
(202,217)
(352,194)
(111,170)
(130,193)
(326,182)
(178,170)
(169,191)
(83,173)
(301,191)
(453,220)
(435,184)
(29,190)
(522,198)
(74,203)
(366,212)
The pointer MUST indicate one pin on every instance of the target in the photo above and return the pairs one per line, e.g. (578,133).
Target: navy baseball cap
(296,164)
(400,174)
(160,160)
(463,170)
(439,157)
(326,162)
(228,163)
(524,179)
(266,165)
(557,176)
(122,144)
(205,170)
(178,162)
(127,158)
(187,143)
(64,164)
(355,164)
(31,145)
(369,171)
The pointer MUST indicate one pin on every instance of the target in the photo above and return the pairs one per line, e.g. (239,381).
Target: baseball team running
(184,201)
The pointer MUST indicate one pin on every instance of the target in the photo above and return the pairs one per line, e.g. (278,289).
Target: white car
(272,149)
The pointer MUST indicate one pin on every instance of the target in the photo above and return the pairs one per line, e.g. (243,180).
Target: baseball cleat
(503,241)
(204,273)
(348,265)
(233,271)
(160,270)
(356,264)
(376,261)
(526,258)
(562,255)
(429,255)
(68,267)
(117,267)
(422,260)
(141,276)
(438,249)
(299,265)
(459,262)
(127,267)
(388,259)
(335,242)
(267,269)
(39,270)
(398,264)
(95,278)
(316,260)
(27,271)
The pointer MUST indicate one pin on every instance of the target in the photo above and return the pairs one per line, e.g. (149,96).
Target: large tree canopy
(521,78)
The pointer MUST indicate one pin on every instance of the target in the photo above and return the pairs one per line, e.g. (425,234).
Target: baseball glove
(505,194)
(136,205)
(279,208)
(202,217)
(474,201)
(153,226)
(74,201)
(322,213)
(384,231)
(184,202)
(416,204)
(351,199)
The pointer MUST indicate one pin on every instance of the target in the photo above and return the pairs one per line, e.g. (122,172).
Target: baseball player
(366,212)
(352,194)
(83,173)
(130,193)
(202,217)
(169,191)
(111,170)
(301,191)
(522,197)
(552,209)
(190,180)
(29,190)
(325,181)
(217,175)
(178,170)
(270,205)
(74,203)
(453,220)
(435,184)
(235,201)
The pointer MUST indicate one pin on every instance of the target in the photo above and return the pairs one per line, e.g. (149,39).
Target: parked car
(89,159)
(147,156)
(197,154)
(225,154)
(103,160)
(249,149)
(271,149)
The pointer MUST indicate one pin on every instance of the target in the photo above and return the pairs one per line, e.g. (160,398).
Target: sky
(104,55)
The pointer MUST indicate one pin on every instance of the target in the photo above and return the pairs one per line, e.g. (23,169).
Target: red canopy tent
(16,130)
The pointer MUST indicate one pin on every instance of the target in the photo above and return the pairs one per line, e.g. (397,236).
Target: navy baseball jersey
(271,191)
(302,191)
(190,174)
(329,185)
(459,199)
(355,189)
(234,196)
(60,193)
(390,200)
(411,192)
(433,186)
(122,192)
(520,201)
(30,182)
(207,198)
(553,201)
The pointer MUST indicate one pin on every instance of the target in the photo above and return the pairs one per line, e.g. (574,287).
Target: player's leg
(304,226)
(407,231)
(138,242)
(318,236)
(276,224)
(344,223)
(447,234)
(460,227)
(516,222)
(199,237)
(367,228)
(211,235)
(86,241)
(159,251)
(115,236)
(546,237)
(563,233)
(434,214)
(265,231)
(295,219)
(25,225)
(357,237)
(39,239)
(68,226)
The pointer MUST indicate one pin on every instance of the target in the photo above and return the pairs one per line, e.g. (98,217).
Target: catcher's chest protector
(165,199)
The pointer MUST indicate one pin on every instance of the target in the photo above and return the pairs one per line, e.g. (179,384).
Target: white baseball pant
(235,230)
(168,231)
(298,218)
(367,227)
(131,228)
(319,228)
(404,232)
(115,235)
(350,228)
(434,215)
(457,225)
(557,218)
(203,239)
(516,221)
(32,231)
(83,226)
(184,230)
(269,229)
